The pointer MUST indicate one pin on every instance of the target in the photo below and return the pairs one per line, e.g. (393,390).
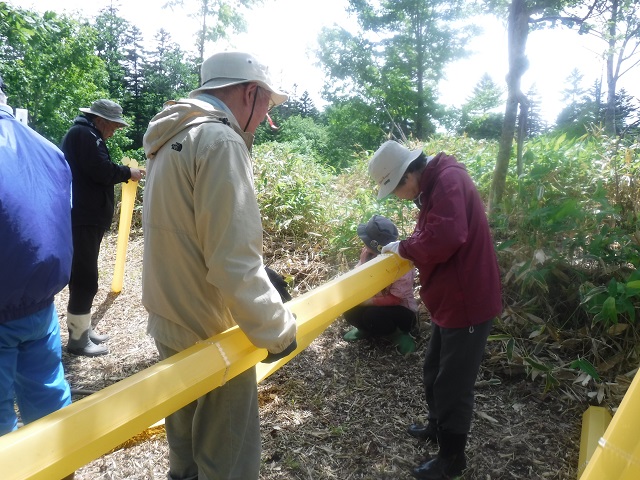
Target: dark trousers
(450,369)
(83,284)
(380,320)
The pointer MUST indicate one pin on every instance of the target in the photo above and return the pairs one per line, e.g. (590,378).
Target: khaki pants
(217,437)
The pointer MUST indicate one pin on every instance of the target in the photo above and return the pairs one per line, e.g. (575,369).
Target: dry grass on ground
(338,410)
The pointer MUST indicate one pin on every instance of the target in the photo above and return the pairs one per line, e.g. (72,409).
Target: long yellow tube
(318,310)
(63,441)
(129,190)
(617,456)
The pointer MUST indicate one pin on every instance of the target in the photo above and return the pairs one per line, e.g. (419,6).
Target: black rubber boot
(450,462)
(428,432)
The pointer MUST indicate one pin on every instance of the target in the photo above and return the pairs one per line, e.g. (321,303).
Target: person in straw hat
(94,177)
(202,267)
(390,313)
(454,253)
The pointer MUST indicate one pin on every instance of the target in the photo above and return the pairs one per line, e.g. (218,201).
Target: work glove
(393,247)
(274,357)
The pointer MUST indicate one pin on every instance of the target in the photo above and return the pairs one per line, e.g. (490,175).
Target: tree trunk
(612,77)
(518,32)
(522,131)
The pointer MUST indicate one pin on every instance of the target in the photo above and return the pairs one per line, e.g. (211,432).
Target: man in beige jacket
(203,271)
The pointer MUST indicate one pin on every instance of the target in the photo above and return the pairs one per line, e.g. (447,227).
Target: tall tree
(476,117)
(169,73)
(218,18)
(113,32)
(133,103)
(573,91)
(582,113)
(522,15)
(394,63)
(486,96)
(617,23)
(536,124)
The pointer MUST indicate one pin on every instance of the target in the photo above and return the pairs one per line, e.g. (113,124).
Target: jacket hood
(177,115)
(84,121)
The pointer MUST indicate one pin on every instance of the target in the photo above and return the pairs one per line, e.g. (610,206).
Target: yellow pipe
(63,441)
(316,310)
(129,190)
(595,421)
(617,455)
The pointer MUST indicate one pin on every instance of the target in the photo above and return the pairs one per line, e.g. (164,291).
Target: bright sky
(283,33)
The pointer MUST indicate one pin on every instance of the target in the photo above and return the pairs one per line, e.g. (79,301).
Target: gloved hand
(274,357)
(393,247)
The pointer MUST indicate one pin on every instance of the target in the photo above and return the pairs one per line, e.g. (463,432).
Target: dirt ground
(338,410)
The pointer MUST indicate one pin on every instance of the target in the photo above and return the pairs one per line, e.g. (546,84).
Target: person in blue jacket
(35,227)
(94,177)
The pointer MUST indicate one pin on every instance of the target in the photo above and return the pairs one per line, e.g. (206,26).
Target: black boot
(428,432)
(450,461)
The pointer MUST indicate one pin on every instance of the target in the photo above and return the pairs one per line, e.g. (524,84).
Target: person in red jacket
(453,250)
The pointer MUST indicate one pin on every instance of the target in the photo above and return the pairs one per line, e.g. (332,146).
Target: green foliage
(352,125)
(487,126)
(52,71)
(616,302)
(396,59)
(305,136)
(567,244)
(291,190)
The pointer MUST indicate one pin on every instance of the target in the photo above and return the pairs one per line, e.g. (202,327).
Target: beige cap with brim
(106,109)
(388,164)
(224,69)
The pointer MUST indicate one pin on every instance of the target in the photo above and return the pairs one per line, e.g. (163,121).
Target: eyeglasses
(272,105)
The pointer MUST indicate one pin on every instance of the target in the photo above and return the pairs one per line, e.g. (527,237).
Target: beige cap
(224,69)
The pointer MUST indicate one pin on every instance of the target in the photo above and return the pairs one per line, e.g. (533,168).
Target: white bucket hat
(224,69)
(106,109)
(388,164)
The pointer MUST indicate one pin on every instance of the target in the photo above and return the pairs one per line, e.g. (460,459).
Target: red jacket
(452,248)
